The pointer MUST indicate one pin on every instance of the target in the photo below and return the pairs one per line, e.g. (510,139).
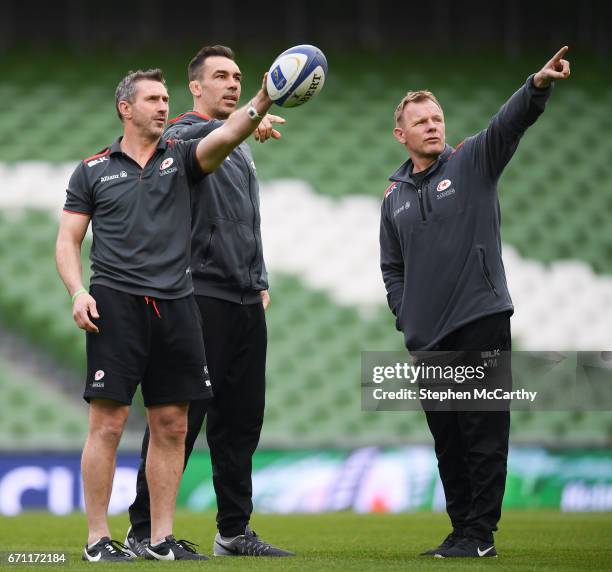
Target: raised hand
(265,129)
(555,68)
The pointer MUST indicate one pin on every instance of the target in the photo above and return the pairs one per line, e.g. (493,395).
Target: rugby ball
(296,76)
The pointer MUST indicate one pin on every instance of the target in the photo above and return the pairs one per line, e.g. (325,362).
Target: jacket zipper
(486,272)
(421,207)
(209,245)
(254,217)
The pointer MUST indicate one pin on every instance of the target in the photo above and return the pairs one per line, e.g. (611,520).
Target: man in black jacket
(231,289)
(443,272)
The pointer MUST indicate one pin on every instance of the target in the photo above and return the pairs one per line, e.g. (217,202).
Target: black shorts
(157,343)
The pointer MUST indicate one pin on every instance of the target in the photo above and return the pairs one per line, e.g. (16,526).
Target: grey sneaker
(247,544)
(173,549)
(135,547)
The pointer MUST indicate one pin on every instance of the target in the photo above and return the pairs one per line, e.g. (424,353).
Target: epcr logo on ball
(278,78)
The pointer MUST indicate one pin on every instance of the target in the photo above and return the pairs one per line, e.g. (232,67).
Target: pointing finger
(557,57)
(276,118)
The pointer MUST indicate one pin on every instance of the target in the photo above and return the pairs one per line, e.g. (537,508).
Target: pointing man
(443,272)
(231,286)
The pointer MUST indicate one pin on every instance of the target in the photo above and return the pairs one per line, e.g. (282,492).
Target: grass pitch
(345,541)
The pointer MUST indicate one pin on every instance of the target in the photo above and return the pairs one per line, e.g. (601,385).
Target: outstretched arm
(496,144)
(214,148)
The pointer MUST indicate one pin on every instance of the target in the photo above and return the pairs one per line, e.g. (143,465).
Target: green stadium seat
(341,147)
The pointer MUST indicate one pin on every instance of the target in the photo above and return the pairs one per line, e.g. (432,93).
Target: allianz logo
(402,208)
(121,175)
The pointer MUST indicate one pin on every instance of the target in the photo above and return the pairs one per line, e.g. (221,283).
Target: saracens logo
(445,189)
(166,163)
(443,185)
(98,376)
(167,168)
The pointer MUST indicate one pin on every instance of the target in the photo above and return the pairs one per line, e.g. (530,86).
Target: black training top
(141,218)
(440,243)
(226,251)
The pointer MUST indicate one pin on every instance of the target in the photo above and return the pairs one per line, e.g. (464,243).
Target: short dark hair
(194,69)
(126,89)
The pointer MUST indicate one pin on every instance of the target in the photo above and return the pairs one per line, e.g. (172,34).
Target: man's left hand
(555,68)
(265,299)
(265,130)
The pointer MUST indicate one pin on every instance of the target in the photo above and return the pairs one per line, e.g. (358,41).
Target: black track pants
(472,446)
(235,338)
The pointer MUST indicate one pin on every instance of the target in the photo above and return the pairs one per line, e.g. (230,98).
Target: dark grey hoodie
(226,251)
(441,253)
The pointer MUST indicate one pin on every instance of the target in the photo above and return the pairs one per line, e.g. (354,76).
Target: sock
(89,546)
(230,538)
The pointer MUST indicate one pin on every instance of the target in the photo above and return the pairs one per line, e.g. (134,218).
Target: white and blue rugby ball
(296,76)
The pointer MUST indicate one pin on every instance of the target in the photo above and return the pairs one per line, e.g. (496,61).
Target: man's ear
(398,133)
(195,88)
(125,109)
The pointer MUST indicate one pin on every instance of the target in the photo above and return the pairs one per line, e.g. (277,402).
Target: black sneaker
(173,549)
(447,543)
(135,547)
(107,550)
(469,548)
(247,544)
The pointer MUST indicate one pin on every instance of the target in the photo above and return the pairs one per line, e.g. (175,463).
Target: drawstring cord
(152,300)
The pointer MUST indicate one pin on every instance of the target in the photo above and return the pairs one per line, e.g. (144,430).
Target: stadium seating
(35,305)
(555,206)
(36,416)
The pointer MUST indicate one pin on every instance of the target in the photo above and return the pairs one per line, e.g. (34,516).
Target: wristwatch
(252,112)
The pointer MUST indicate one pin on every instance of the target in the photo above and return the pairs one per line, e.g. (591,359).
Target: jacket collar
(193,116)
(116,145)
(402,175)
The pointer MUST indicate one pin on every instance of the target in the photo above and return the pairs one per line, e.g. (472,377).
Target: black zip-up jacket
(441,252)
(226,251)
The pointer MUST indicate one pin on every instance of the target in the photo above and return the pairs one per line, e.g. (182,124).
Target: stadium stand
(36,416)
(334,159)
